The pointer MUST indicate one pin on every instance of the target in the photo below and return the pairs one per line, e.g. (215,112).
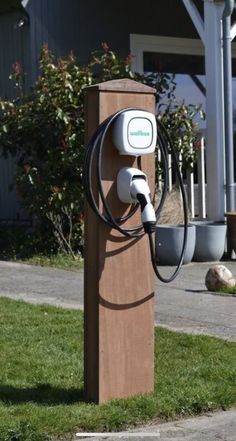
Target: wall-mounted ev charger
(135,132)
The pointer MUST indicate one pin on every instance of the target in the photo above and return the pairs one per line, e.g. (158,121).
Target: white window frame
(169,45)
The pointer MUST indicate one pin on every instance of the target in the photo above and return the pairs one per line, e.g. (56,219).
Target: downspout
(228,104)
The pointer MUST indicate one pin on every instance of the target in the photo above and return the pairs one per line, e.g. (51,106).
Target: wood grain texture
(119,280)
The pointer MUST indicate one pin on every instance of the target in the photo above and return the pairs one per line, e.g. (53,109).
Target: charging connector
(132,187)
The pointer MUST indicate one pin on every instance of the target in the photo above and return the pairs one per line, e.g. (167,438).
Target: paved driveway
(184,305)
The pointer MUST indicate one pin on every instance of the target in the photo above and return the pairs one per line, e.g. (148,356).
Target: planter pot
(231,232)
(210,241)
(169,243)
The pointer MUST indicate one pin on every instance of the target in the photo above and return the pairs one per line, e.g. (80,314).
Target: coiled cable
(94,152)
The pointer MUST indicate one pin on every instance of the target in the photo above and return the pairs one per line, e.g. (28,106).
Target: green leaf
(30,179)
(69,86)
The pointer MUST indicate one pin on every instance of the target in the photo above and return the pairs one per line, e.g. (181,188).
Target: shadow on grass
(43,394)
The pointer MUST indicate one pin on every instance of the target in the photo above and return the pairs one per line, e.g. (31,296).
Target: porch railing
(195,182)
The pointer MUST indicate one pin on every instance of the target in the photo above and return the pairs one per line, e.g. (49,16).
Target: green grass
(41,370)
(229,291)
(61,261)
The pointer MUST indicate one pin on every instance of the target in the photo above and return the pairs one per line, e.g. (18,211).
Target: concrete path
(184,305)
(220,426)
(37,284)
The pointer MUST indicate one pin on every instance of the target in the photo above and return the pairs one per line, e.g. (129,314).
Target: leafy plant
(180,121)
(44,129)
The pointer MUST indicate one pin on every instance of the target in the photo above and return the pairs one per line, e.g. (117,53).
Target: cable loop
(94,152)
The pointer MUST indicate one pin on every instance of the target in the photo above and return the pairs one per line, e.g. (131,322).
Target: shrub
(45,130)
(179,120)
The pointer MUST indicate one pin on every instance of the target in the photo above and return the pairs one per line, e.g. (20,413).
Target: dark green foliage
(24,245)
(19,243)
(45,129)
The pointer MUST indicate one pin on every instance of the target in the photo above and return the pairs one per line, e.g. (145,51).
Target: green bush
(45,130)
(179,120)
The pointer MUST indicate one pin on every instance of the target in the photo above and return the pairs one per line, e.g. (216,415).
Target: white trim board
(169,45)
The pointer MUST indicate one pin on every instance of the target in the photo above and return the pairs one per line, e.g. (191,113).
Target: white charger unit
(135,132)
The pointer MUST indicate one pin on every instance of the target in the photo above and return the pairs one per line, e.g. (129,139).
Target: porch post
(211,34)
(214,109)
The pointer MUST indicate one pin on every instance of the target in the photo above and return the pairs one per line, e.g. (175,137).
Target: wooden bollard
(119,279)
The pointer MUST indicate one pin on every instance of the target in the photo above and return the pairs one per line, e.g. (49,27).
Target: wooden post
(119,279)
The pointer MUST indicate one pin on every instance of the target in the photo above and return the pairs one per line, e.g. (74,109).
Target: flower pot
(231,232)
(210,241)
(169,243)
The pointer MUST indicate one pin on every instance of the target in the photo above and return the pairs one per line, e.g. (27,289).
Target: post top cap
(123,85)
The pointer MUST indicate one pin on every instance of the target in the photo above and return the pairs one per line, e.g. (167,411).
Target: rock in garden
(218,277)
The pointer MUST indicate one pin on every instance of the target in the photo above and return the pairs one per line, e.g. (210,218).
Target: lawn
(229,291)
(58,260)
(41,369)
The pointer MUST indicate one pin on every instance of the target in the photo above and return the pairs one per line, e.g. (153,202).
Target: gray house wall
(14,47)
(80,26)
(122,18)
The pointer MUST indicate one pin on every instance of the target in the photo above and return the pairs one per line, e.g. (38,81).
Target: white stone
(218,277)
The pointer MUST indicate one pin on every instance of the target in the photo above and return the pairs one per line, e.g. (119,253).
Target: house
(81,26)
(160,34)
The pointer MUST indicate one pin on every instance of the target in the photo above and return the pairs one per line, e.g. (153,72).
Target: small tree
(45,129)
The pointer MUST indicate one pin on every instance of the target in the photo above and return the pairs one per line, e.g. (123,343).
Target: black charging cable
(168,148)
(93,158)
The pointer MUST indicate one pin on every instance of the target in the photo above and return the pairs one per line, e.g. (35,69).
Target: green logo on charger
(140,133)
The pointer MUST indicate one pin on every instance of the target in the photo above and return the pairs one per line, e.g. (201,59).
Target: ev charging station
(120,219)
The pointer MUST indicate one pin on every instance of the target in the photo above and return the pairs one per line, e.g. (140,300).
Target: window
(181,56)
